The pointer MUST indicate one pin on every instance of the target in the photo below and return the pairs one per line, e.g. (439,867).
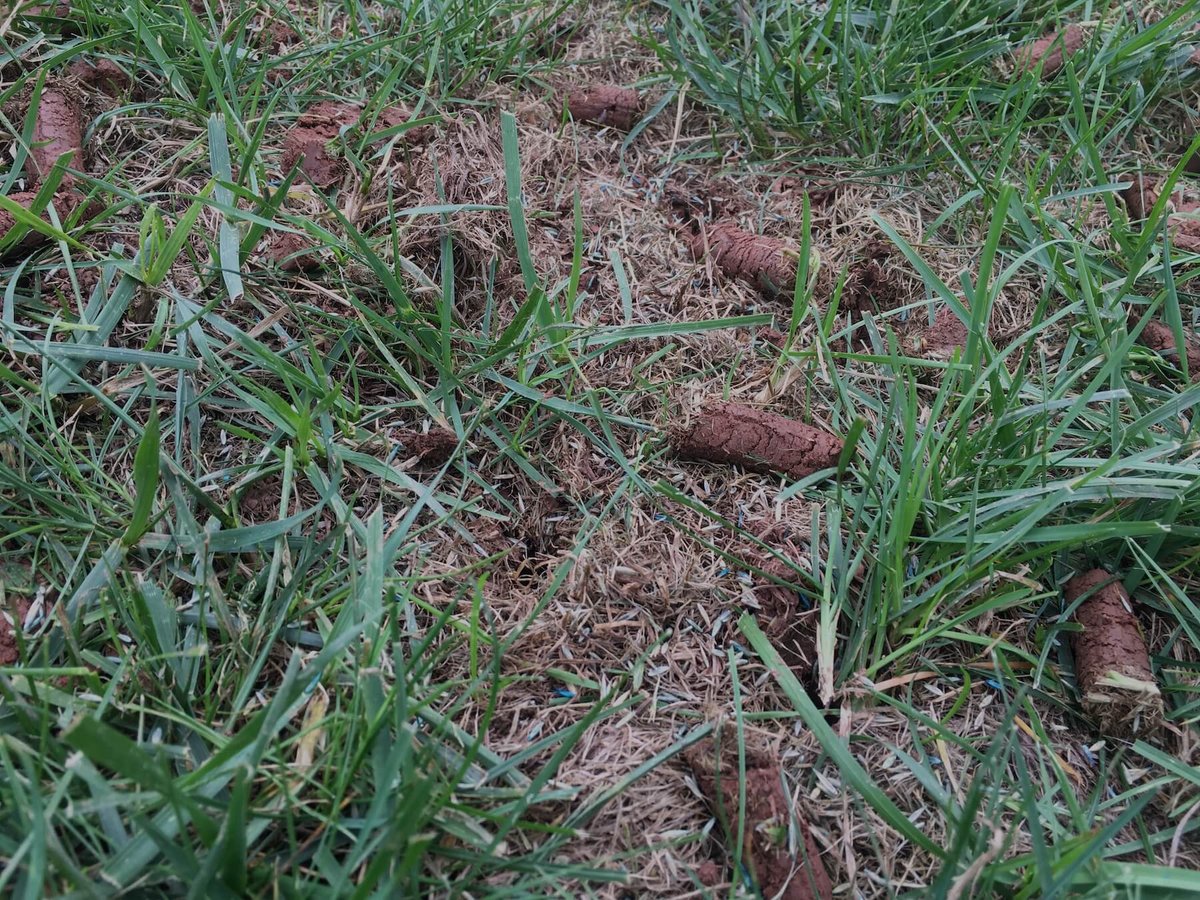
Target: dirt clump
(1051,51)
(1158,337)
(12,621)
(293,253)
(1112,664)
(756,440)
(58,129)
(275,35)
(104,75)
(605,105)
(433,447)
(767,262)
(769,820)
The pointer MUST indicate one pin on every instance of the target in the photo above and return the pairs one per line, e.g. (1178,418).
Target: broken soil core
(1158,337)
(1051,51)
(293,253)
(57,129)
(768,821)
(1112,664)
(767,262)
(605,105)
(793,632)
(1184,223)
(944,336)
(869,285)
(308,143)
(756,440)
(104,75)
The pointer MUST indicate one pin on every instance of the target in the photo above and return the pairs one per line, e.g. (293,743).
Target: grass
(266,654)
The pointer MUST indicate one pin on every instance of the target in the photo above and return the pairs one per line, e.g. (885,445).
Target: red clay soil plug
(766,262)
(64,201)
(58,129)
(768,824)
(1051,51)
(605,105)
(1112,665)
(12,620)
(1158,337)
(756,440)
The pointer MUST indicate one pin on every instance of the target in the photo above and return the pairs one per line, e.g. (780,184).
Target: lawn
(637,448)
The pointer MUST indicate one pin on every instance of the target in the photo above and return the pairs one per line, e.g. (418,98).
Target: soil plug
(771,831)
(766,262)
(605,105)
(1112,665)
(756,440)
(1052,51)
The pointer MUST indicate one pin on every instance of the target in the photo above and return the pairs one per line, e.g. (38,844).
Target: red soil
(1159,338)
(293,253)
(433,447)
(12,619)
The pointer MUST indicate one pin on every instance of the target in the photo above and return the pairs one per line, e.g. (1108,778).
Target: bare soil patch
(1112,664)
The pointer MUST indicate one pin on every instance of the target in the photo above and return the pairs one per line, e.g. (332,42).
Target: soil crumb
(1052,51)
(431,448)
(768,823)
(756,440)
(1158,337)
(1112,665)
(12,620)
(605,105)
(56,130)
(767,262)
